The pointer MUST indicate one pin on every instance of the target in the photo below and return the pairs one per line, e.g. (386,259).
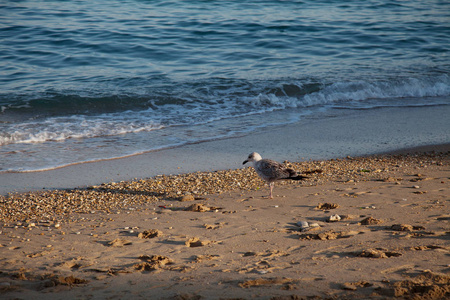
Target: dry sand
(217,235)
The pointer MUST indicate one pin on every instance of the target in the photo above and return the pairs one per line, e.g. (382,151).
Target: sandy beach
(359,227)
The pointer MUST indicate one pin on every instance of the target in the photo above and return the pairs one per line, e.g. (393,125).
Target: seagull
(271,171)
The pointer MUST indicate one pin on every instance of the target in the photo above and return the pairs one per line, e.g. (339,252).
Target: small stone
(334,218)
(416,187)
(302,224)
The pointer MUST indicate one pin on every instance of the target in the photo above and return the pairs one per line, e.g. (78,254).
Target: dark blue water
(87,80)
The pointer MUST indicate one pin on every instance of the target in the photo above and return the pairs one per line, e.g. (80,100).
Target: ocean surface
(89,80)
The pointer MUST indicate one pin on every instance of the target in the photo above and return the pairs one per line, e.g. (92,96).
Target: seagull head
(252,157)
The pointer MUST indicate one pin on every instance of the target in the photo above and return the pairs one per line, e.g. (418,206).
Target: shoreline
(341,134)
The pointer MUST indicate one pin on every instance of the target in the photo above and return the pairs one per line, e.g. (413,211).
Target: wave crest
(351,91)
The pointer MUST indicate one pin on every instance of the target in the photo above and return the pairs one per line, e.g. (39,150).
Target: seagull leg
(271,188)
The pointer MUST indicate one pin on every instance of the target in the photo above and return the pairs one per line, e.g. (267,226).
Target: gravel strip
(60,205)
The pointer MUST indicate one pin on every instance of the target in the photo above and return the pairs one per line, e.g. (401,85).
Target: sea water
(89,80)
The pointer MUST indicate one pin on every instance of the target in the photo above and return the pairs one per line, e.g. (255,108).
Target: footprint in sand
(405,227)
(196,242)
(377,253)
(427,285)
(206,257)
(152,262)
(327,206)
(201,208)
(119,243)
(371,221)
(353,286)
(149,234)
(329,235)
(214,226)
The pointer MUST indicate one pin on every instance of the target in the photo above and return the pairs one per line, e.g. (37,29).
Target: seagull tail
(294,176)
(298,177)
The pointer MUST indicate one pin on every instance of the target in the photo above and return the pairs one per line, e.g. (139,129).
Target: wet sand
(216,235)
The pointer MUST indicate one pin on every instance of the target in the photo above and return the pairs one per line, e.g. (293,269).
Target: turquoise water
(88,80)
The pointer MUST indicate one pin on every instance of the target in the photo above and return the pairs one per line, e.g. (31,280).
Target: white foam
(358,91)
(74,127)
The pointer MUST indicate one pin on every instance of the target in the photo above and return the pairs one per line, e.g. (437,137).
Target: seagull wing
(271,170)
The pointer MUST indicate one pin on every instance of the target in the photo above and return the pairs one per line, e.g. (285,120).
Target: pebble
(302,224)
(334,218)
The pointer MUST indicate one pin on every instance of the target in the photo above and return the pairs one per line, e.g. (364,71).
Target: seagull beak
(246,161)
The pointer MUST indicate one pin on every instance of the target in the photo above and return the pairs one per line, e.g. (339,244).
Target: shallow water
(87,80)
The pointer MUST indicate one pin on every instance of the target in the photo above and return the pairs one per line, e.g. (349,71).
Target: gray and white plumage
(271,171)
